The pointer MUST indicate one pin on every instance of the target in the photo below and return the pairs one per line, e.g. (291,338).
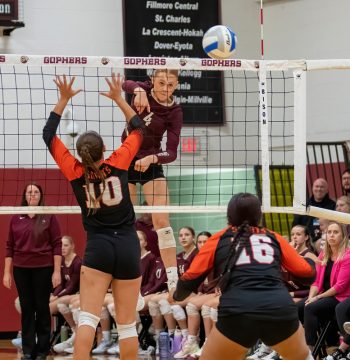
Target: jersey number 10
(111,196)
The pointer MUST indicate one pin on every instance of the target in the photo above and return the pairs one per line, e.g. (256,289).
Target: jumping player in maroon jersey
(112,251)
(254,303)
(154,102)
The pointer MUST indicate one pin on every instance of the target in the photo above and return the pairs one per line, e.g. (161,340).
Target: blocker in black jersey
(115,206)
(255,304)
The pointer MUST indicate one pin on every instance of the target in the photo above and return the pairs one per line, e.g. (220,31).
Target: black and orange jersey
(256,284)
(115,207)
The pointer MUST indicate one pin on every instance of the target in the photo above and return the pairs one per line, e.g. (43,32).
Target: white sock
(184,333)
(106,335)
(192,339)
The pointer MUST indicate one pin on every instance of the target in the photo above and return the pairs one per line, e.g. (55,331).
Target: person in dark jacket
(34,249)
(321,199)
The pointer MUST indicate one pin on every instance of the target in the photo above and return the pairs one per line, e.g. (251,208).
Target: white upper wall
(315,29)
(68,27)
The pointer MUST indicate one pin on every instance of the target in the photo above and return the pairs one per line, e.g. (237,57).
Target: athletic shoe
(187,349)
(63,346)
(261,351)
(69,350)
(17,342)
(102,347)
(148,352)
(346,326)
(337,354)
(114,349)
(198,353)
(272,356)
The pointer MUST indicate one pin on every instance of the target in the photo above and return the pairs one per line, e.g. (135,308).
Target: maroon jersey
(148,262)
(70,276)
(184,260)
(158,279)
(30,248)
(161,119)
(209,285)
(115,207)
(151,234)
(294,284)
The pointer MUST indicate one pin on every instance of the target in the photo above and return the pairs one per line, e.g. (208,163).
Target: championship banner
(172,28)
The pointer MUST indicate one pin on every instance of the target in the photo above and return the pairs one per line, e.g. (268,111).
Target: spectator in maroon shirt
(144,223)
(70,275)
(34,250)
(148,261)
(159,305)
(153,101)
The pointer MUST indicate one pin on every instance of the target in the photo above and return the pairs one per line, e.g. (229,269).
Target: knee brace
(104,313)
(166,238)
(63,308)
(153,308)
(214,314)
(178,312)
(111,309)
(127,331)
(88,319)
(205,311)
(192,310)
(140,303)
(164,307)
(18,305)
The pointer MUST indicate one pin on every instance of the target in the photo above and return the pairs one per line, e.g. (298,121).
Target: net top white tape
(148,62)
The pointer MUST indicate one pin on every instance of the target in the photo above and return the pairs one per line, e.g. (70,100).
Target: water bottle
(64,333)
(177,341)
(165,345)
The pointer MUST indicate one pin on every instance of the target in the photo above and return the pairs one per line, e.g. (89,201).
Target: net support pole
(264,136)
(299,138)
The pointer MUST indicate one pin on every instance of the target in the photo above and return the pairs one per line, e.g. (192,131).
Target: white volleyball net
(257,145)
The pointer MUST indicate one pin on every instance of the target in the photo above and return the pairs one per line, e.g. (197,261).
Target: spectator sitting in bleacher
(159,305)
(345,182)
(206,292)
(300,241)
(332,284)
(144,223)
(321,199)
(343,205)
(70,274)
(148,260)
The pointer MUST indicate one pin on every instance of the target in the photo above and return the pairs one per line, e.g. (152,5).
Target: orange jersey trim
(204,261)
(69,165)
(123,156)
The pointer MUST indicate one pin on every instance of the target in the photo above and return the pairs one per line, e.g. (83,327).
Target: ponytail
(239,242)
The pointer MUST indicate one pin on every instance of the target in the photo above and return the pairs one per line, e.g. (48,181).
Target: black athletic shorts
(154,171)
(116,252)
(246,330)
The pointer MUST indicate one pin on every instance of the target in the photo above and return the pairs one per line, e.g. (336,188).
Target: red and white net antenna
(262,29)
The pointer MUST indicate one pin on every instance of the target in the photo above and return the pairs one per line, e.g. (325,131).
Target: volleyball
(219,42)
(73,129)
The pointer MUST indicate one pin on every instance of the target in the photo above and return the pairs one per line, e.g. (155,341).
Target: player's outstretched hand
(115,87)
(65,87)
